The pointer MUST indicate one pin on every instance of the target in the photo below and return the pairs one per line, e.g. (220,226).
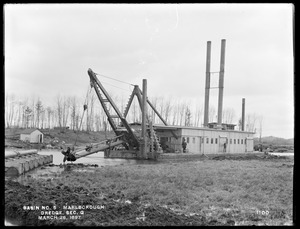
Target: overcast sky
(49,48)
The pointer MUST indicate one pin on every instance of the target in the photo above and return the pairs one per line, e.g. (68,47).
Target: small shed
(32,136)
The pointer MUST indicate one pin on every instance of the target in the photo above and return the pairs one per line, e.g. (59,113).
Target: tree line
(68,111)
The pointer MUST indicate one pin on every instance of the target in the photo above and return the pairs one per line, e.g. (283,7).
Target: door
(249,145)
(200,144)
(222,147)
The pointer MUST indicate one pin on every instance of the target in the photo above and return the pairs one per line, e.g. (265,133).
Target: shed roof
(29,131)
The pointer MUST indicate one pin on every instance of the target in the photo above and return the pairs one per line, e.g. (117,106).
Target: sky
(48,49)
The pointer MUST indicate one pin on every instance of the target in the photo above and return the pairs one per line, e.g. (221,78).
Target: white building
(205,140)
(32,136)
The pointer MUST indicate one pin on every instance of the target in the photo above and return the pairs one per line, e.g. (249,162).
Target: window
(212,141)
(207,140)
(226,140)
(216,141)
(193,140)
(188,139)
(238,141)
(230,141)
(234,141)
(241,141)
(245,141)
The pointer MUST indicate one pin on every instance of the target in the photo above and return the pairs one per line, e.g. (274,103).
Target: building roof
(227,124)
(29,131)
(172,127)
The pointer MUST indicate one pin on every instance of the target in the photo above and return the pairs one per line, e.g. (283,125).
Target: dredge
(129,142)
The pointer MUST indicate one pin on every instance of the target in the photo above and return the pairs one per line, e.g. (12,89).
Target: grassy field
(240,189)
(249,192)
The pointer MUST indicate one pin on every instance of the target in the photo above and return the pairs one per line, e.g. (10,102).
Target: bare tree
(33,124)
(260,125)
(181,109)
(98,122)
(43,116)
(39,109)
(9,109)
(153,114)
(24,106)
(73,107)
(77,121)
(167,109)
(251,122)
(228,115)
(49,115)
(59,109)
(28,116)
(161,105)
(90,113)
(198,115)
(212,114)
(240,124)
(19,111)
(65,111)
(175,113)
(188,116)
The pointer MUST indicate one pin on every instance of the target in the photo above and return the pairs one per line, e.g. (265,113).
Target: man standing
(184,145)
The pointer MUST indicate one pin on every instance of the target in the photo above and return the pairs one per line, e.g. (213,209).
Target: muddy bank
(248,157)
(110,208)
(165,194)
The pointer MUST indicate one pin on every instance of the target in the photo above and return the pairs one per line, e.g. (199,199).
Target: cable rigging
(114,79)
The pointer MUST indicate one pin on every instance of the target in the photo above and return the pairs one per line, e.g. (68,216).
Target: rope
(114,79)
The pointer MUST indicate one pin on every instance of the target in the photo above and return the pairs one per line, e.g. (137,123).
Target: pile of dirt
(247,157)
(116,210)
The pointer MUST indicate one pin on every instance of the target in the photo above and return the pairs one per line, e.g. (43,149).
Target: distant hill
(274,141)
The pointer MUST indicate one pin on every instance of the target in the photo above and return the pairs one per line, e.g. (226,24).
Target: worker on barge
(68,155)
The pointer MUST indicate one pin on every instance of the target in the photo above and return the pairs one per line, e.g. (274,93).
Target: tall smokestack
(207,84)
(221,82)
(243,114)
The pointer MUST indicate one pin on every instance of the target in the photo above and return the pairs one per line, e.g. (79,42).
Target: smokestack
(243,114)
(207,84)
(221,82)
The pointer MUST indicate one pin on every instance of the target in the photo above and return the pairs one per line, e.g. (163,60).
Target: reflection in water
(97,158)
(283,154)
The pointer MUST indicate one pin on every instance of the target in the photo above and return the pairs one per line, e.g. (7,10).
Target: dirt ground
(55,138)
(114,208)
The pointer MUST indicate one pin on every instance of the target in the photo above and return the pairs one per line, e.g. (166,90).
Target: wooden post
(144,120)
